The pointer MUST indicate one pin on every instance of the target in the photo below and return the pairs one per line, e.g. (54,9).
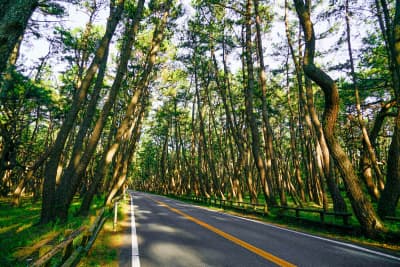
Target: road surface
(167,232)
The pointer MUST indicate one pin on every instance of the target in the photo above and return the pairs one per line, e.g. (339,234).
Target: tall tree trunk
(224,90)
(270,157)
(203,142)
(127,154)
(48,195)
(362,208)
(368,150)
(78,164)
(250,116)
(141,88)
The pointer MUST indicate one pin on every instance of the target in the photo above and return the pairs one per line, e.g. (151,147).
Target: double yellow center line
(256,250)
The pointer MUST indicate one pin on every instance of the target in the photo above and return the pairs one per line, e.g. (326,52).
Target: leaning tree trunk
(127,121)
(362,208)
(78,164)
(270,157)
(48,196)
(127,154)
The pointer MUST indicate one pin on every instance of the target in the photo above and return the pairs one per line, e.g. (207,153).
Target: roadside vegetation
(105,251)
(21,235)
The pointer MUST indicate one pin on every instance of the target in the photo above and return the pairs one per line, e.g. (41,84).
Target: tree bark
(48,195)
(362,208)
(368,153)
(127,121)
(127,154)
(270,157)
(250,116)
(14,17)
(78,164)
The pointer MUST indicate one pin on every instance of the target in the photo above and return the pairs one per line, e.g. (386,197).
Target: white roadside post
(115,215)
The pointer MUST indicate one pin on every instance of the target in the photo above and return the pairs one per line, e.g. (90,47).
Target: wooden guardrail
(71,256)
(322,214)
(244,207)
(262,209)
(391,218)
(47,252)
(88,239)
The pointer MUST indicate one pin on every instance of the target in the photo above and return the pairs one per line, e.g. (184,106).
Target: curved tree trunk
(362,208)
(314,125)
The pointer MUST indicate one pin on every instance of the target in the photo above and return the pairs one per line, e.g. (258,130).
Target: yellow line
(235,240)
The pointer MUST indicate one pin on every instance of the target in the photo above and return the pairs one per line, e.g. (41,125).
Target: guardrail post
(85,238)
(346,220)
(321,216)
(69,248)
(43,251)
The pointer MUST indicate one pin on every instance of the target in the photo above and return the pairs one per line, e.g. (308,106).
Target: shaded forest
(283,102)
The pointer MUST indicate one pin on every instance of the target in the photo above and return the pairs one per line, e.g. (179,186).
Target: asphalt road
(173,233)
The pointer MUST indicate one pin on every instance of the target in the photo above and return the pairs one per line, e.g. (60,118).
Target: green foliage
(374,75)
(23,105)
(53,8)
(19,87)
(78,44)
(20,237)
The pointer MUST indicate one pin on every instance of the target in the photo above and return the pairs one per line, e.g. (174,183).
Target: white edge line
(304,234)
(326,239)
(135,248)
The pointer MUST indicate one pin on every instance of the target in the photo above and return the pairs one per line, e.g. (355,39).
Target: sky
(33,49)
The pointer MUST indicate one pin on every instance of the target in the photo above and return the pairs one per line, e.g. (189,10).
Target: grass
(105,250)
(21,238)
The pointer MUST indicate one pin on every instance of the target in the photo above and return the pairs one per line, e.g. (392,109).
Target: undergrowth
(21,236)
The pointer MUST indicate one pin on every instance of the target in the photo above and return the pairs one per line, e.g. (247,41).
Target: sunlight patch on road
(256,250)
(169,253)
